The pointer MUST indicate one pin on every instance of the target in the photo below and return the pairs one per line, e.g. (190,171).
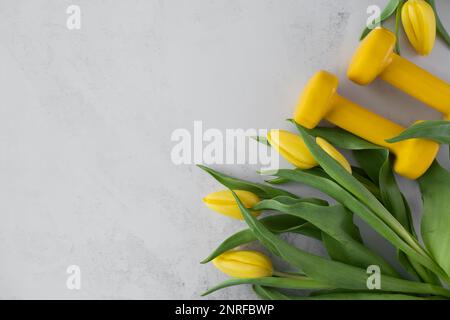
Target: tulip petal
(292,148)
(244,264)
(418,26)
(334,153)
(224,203)
(429,19)
(419,22)
(407,25)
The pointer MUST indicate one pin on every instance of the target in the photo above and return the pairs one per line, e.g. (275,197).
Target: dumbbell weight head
(316,99)
(373,55)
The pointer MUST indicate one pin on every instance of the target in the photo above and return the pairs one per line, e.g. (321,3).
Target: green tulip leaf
(342,237)
(261,190)
(437,130)
(414,268)
(339,137)
(377,164)
(435,187)
(439,25)
(366,182)
(277,181)
(398,20)
(278,224)
(393,198)
(396,203)
(262,140)
(352,296)
(268,293)
(371,161)
(298,283)
(411,266)
(356,173)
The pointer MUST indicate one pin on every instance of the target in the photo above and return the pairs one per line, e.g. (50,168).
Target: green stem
(398,16)
(424,274)
(289,275)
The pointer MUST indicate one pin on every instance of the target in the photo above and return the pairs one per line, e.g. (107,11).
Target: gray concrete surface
(86,117)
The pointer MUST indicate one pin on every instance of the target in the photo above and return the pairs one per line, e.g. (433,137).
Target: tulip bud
(244,264)
(419,22)
(334,153)
(224,203)
(293,149)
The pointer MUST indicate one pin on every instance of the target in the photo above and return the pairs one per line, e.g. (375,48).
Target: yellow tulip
(293,149)
(244,264)
(224,203)
(334,153)
(419,22)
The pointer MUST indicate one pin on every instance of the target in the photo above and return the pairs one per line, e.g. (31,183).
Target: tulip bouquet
(368,190)
(420,21)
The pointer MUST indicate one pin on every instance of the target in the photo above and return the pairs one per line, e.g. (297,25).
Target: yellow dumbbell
(320,100)
(376,57)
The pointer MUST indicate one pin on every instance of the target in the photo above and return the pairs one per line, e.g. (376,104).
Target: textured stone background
(86,118)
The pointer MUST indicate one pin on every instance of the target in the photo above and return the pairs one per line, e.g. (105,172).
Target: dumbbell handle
(363,123)
(418,83)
